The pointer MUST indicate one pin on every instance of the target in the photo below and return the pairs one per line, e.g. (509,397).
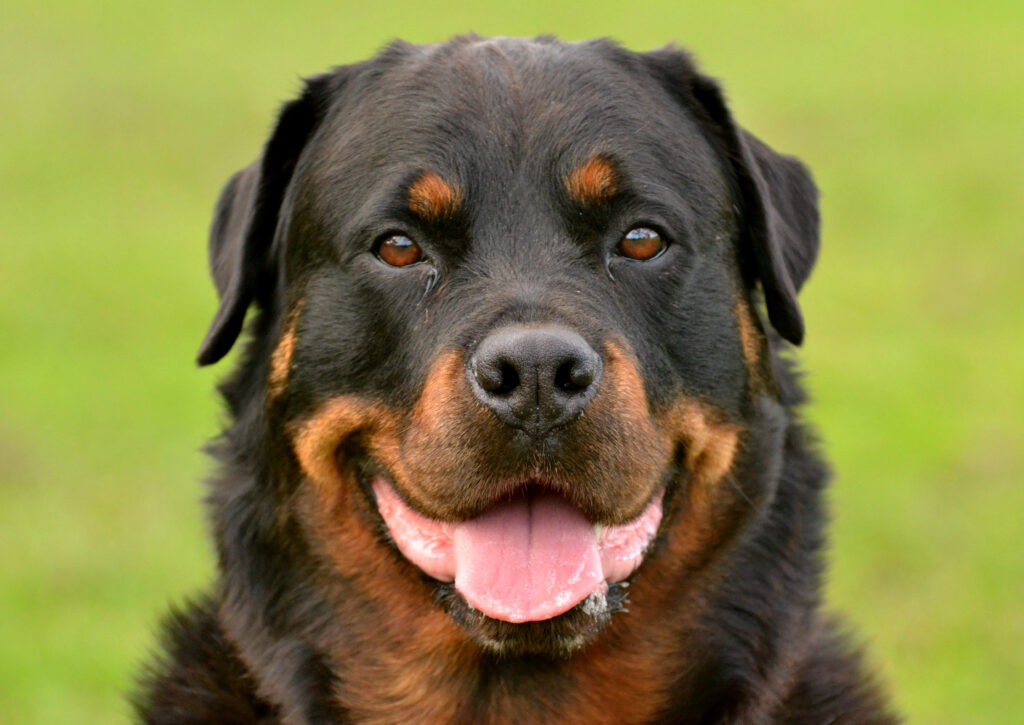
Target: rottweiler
(515,437)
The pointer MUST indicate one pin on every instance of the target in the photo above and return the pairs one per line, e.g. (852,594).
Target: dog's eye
(399,251)
(641,244)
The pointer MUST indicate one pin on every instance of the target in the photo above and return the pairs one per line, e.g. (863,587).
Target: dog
(515,437)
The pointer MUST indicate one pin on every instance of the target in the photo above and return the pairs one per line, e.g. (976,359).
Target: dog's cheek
(694,342)
(346,343)
(339,520)
(701,510)
(379,601)
(343,532)
(729,478)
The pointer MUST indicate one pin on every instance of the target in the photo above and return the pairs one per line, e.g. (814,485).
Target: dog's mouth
(526,559)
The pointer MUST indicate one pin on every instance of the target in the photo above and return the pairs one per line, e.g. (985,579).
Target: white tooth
(597,530)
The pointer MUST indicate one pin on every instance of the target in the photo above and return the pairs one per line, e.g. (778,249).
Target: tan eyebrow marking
(433,198)
(594,181)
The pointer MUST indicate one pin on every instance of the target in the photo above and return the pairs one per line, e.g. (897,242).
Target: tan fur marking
(316,440)
(433,198)
(281,357)
(710,446)
(749,336)
(627,387)
(448,432)
(710,450)
(442,394)
(593,182)
(422,670)
(404,658)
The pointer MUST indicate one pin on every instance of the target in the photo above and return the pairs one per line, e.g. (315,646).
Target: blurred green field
(120,122)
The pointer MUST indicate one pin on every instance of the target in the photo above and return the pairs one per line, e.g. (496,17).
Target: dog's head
(510,365)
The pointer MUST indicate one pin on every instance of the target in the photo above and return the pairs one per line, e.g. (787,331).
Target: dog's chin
(557,638)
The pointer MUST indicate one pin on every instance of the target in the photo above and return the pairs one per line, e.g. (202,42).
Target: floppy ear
(779,198)
(781,213)
(242,255)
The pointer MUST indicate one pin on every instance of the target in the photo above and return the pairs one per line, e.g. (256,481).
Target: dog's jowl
(513,437)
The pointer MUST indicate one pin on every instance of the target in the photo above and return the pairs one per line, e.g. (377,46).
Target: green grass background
(120,121)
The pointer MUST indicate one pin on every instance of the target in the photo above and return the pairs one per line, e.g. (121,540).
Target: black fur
(284,634)
(200,678)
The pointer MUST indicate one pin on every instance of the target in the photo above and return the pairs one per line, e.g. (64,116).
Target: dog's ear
(779,198)
(243,260)
(781,219)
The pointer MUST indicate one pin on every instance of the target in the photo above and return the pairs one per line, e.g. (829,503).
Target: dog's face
(509,348)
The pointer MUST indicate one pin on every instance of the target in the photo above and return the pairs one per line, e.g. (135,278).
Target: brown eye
(399,251)
(641,244)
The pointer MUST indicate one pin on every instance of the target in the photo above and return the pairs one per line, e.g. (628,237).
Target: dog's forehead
(509,110)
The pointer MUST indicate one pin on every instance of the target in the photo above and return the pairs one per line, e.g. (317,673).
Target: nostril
(575,375)
(498,377)
(509,379)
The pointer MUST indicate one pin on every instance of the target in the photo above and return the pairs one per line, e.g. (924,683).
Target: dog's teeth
(597,530)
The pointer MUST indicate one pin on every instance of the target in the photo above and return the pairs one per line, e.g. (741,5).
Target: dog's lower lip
(526,560)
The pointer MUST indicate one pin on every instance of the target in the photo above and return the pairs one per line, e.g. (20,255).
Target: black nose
(535,378)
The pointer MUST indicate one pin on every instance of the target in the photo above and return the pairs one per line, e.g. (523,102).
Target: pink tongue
(527,560)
